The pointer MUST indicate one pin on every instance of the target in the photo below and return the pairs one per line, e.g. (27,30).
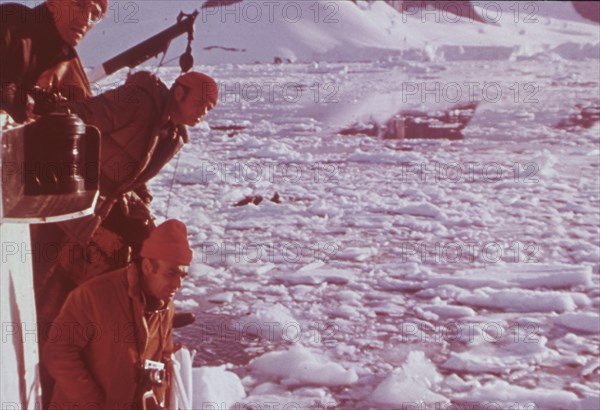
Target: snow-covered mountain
(259,31)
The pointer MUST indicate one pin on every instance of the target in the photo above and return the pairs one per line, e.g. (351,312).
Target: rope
(171,60)
(163,62)
(172,183)
(162,59)
(160,64)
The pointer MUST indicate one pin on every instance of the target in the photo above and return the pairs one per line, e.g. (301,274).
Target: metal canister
(52,155)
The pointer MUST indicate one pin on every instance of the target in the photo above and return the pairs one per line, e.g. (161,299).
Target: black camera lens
(156,376)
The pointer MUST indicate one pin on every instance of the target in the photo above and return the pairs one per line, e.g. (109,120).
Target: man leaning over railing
(113,339)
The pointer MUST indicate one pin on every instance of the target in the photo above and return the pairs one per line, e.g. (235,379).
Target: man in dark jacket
(111,326)
(143,125)
(37,48)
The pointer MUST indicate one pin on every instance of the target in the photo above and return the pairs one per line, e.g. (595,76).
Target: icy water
(483,253)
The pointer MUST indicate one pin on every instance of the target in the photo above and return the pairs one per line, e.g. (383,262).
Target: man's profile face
(163,279)
(74,18)
(192,106)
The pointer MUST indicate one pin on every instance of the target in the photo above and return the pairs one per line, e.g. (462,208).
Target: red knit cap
(168,242)
(207,85)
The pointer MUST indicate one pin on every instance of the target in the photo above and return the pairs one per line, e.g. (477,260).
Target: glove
(134,207)
(144,193)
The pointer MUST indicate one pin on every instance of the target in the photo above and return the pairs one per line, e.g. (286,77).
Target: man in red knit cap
(115,329)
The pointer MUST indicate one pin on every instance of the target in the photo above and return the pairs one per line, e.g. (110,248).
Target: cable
(171,184)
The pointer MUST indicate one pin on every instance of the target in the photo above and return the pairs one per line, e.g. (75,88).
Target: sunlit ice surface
(430,270)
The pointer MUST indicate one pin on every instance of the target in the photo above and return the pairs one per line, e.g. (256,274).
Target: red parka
(100,339)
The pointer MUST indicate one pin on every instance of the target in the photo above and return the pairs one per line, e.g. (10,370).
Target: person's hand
(144,194)
(134,207)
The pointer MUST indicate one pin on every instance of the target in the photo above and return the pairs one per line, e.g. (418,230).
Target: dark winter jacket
(32,53)
(137,142)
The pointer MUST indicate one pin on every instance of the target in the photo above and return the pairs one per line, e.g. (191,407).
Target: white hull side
(19,348)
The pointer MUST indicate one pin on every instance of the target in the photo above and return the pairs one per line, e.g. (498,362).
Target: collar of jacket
(135,289)
(169,130)
(139,314)
(44,30)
